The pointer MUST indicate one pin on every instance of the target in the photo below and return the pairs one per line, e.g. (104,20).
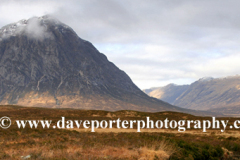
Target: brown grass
(57,151)
(163,151)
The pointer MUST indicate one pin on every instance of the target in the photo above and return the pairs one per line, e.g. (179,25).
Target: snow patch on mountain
(35,27)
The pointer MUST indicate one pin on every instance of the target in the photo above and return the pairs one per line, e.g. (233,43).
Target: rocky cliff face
(44,63)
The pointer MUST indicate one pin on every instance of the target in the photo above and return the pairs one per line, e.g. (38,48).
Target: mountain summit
(44,63)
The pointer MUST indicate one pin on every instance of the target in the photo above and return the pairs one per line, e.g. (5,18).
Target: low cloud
(34,29)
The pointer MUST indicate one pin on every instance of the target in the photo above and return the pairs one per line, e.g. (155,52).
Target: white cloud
(15,10)
(35,30)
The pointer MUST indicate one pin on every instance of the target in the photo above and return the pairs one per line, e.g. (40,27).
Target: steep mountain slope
(212,93)
(167,93)
(219,95)
(44,63)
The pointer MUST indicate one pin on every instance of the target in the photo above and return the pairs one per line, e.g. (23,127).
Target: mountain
(220,95)
(43,63)
(167,93)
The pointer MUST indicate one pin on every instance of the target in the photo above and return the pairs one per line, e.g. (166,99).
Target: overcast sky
(156,42)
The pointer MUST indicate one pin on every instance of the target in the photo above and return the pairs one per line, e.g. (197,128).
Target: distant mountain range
(220,95)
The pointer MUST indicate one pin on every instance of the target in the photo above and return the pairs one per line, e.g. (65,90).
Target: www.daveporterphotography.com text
(180,125)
